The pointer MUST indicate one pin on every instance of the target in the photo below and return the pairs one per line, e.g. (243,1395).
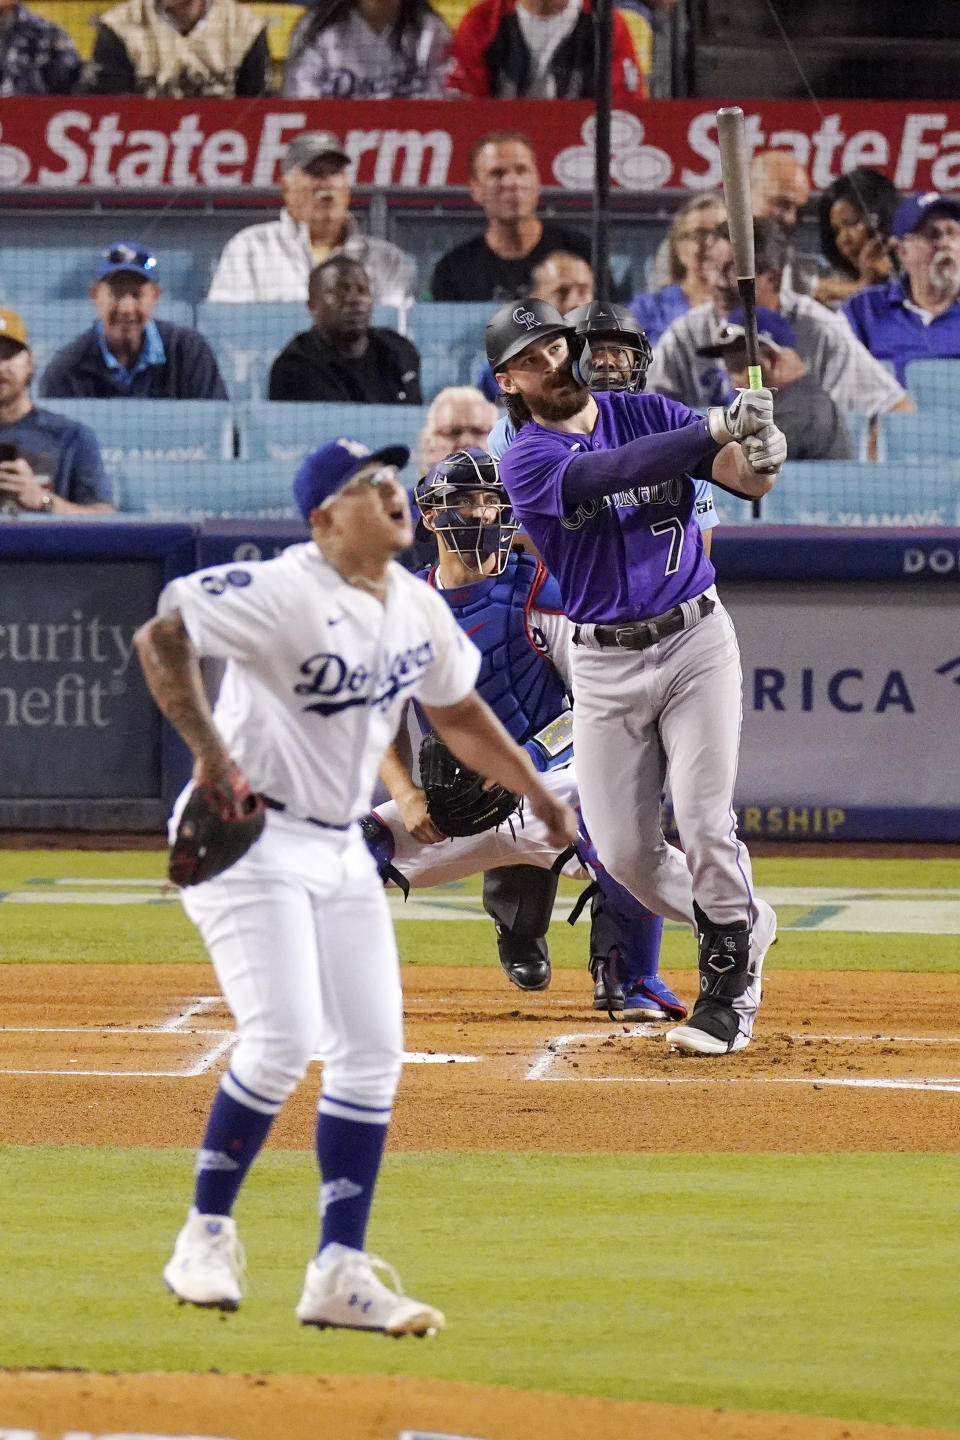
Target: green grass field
(812,1284)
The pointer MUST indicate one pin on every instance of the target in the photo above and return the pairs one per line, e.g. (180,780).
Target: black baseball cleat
(524,959)
(607,991)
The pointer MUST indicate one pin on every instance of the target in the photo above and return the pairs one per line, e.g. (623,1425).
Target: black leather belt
(272,804)
(639,634)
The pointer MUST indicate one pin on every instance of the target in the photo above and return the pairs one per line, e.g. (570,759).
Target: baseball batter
(610,352)
(508,604)
(322,647)
(604,486)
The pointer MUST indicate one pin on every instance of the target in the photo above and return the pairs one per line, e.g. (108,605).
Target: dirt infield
(350,1407)
(839,1063)
(850,1070)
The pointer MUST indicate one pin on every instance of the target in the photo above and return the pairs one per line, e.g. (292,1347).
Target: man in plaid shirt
(36,56)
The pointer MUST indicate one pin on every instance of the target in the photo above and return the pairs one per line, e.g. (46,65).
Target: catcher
(507,604)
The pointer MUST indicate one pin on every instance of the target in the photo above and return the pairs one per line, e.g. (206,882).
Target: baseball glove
(220,821)
(457,803)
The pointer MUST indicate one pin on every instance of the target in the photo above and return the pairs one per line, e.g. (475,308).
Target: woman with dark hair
(856,213)
(368,50)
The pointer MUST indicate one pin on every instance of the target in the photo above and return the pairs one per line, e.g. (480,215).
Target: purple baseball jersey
(623,557)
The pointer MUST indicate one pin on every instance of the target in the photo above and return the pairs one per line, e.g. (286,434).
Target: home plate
(437,1057)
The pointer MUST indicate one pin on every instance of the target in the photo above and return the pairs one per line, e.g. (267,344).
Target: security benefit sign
(76,719)
(851,698)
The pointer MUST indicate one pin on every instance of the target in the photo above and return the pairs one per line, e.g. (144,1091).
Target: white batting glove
(749,413)
(766,452)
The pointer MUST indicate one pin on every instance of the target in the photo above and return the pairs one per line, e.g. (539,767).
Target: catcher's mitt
(457,803)
(220,821)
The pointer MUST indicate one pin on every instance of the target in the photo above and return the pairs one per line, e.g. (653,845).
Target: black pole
(603,15)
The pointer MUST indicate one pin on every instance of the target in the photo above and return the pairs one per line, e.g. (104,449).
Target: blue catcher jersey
(516,679)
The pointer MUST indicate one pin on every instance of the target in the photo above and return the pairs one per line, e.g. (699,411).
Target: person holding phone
(48,463)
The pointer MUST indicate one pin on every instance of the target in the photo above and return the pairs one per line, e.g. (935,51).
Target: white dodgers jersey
(318,671)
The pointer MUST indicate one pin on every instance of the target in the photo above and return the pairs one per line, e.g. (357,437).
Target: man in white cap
(273,261)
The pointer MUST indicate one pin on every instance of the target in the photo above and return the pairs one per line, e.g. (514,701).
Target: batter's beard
(562,404)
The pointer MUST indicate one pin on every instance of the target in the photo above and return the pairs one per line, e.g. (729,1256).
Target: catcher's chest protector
(521,687)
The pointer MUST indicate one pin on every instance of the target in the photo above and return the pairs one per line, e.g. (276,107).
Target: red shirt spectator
(539,49)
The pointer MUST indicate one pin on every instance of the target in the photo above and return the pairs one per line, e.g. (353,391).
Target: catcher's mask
(610,350)
(473,530)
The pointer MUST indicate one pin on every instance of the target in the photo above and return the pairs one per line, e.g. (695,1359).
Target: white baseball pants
(300,937)
(641,717)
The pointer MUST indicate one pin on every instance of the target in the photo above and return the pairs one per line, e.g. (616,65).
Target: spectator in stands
(539,50)
(655,48)
(48,463)
(126,353)
(36,56)
(856,218)
(273,261)
(458,417)
(692,230)
(179,48)
(852,378)
(498,265)
(368,50)
(779,189)
(564,280)
(341,357)
(916,317)
(804,411)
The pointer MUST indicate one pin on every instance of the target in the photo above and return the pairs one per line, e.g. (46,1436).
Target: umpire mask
(611,351)
(450,492)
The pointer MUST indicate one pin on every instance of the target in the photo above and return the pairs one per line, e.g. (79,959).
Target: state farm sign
(133,144)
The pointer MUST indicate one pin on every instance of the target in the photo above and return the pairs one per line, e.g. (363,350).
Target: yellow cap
(13,328)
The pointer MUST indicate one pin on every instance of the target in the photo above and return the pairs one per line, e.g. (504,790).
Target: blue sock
(349,1150)
(644,957)
(235,1132)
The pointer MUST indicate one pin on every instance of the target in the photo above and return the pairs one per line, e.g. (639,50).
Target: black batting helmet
(518,325)
(601,321)
(445,489)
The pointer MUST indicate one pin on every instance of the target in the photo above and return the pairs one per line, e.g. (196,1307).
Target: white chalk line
(173,1025)
(554,1050)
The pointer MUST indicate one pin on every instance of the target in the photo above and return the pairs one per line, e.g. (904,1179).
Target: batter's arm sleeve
(648,460)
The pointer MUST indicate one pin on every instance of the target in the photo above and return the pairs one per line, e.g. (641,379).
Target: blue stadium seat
(449,337)
(148,486)
(172,432)
(284,430)
(64,272)
(51,324)
(845,492)
(927,435)
(933,384)
(246,339)
(858,427)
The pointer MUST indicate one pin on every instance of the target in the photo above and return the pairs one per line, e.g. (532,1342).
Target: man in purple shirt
(604,486)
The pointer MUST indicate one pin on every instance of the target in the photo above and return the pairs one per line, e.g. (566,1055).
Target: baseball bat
(736,192)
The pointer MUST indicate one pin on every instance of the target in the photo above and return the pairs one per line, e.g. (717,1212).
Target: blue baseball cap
(125,255)
(772,329)
(327,470)
(910,214)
